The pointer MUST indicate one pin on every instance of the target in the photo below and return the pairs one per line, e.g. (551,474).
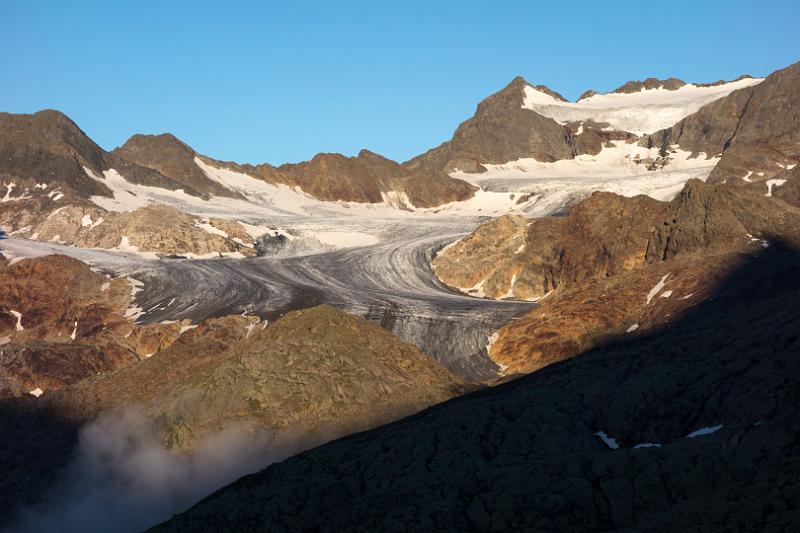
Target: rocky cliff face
(755,129)
(708,218)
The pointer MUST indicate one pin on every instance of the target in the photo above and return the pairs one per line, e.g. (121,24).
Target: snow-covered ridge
(646,111)
(620,168)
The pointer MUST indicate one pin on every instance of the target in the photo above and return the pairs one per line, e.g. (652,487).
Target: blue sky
(280,81)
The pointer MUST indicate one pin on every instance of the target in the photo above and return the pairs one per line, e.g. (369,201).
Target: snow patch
(134,312)
(18,316)
(8,198)
(657,288)
(620,167)
(86,221)
(775,183)
(491,339)
(609,441)
(205,225)
(708,430)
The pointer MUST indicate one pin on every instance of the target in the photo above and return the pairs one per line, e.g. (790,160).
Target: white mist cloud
(123,479)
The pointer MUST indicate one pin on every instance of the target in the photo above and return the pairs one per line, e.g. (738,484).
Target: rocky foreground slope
(310,376)
(692,427)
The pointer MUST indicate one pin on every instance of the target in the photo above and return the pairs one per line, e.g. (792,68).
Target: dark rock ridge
(693,427)
(48,147)
(669,84)
(172,158)
(754,130)
(502,130)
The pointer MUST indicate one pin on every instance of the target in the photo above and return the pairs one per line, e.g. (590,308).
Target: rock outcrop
(155,229)
(514,257)
(60,322)
(318,373)
(669,84)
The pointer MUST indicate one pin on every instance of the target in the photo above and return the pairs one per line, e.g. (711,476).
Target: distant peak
(519,83)
(670,84)
(53,116)
(723,82)
(153,141)
(369,154)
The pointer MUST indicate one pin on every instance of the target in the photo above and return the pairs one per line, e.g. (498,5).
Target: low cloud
(123,479)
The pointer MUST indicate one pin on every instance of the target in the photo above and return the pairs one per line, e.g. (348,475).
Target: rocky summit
(568,316)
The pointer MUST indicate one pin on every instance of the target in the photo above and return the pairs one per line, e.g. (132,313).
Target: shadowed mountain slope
(692,427)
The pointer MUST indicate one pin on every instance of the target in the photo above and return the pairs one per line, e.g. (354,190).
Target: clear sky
(280,81)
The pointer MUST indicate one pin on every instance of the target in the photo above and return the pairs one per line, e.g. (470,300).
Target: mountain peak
(160,141)
(669,84)
(519,83)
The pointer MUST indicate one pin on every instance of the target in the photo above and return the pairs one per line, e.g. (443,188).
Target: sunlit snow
(642,112)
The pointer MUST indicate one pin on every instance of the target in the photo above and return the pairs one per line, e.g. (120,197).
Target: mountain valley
(569,316)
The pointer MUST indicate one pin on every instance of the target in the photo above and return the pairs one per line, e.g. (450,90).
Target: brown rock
(172,158)
(60,322)
(602,236)
(317,372)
